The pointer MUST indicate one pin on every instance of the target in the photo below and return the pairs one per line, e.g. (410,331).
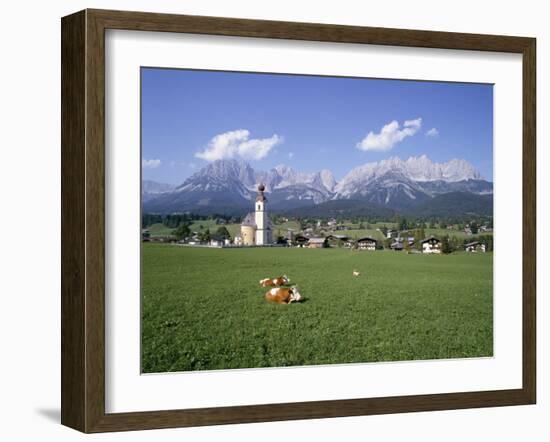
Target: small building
(367,243)
(349,243)
(391,233)
(396,246)
(337,240)
(475,246)
(301,240)
(317,243)
(216,241)
(431,245)
(145,235)
(238,240)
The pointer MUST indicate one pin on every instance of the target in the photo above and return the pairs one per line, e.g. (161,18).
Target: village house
(391,233)
(216,241)
(337,240)
(194,240)
(396,246)
(145,235)
(474,246)
(317,243)
(301,240)
(349,243)
(431,245)
(366,243)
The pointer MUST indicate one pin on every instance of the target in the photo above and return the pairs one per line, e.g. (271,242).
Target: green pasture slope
(203,309)
(160,229)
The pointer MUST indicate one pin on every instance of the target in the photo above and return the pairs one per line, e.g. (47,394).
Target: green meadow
(203,309)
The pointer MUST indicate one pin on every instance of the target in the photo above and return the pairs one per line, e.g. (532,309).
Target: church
(256,226)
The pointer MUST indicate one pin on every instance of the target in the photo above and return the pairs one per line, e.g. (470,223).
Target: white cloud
(433,132)
(290,155)
(391,134)
(150,164)
(237,143)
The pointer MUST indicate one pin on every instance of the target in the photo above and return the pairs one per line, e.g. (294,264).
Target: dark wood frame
(83,217)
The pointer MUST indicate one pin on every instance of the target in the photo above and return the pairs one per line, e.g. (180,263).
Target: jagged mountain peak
(420,169)
(392,182)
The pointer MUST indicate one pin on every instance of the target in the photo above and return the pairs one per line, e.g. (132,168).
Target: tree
(182,231)
(418,236)
(205,236)
(384,230)
(406,245)
(445,245)
(361,226)
(223,232)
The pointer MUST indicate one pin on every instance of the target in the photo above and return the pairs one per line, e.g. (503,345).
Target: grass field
(195,226)
(160,229)
(203,308)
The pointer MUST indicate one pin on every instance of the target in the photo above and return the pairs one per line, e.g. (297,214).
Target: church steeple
(262,229)
(261,196)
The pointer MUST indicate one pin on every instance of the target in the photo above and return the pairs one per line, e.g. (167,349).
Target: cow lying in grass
(275,282)
(283,295)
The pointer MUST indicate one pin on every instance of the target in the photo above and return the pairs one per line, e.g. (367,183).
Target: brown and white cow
(275,282)
(283,295)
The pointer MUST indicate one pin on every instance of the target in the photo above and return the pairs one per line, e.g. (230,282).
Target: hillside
(455,204)
(342,209)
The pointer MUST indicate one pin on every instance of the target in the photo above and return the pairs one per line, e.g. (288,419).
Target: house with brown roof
(367,243)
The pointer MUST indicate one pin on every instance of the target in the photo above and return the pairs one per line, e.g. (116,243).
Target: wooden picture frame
(83,220)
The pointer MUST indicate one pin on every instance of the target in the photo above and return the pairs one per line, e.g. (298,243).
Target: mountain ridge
(393,183)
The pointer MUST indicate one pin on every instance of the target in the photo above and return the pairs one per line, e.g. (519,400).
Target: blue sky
(308,122)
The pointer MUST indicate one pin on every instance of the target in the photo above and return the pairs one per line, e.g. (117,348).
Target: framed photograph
(268,221)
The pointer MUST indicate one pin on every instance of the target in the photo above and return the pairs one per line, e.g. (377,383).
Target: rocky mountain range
(229,186)
(152,189)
